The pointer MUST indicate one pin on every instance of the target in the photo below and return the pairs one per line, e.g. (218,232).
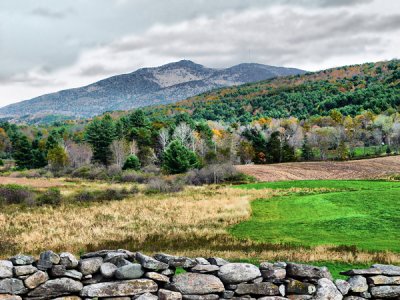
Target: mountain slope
(349,89)
(161,85)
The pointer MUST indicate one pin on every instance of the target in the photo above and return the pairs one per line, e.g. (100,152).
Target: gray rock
(384,280)
(74,274)
(116,255)
(68,260)
(299,288)
(169,295)
(146,296)
(119,261)
(47,260)
(12,286)
(21,260)
(307,271)
(68,298)
(299,297)
(204,268)
(388,269)
(150,263)
(217,261)
(196,284)
(228,294)
(238,272)
(343,286)
(157,277)
(282,290)
(386,291)
(272,298)
(326,290)
(104,253)
(262,288)
(36,279)
(96,278)
(280,264)
(202,261)
(353,298)
(58,271)
(200,297)
(364,272)
(6,269)
(24,270)
(366,295)
(131,271)
(265,265)
(358,284)
(108,270)
(57,287)
(256,280)
(90,266)
(231,287)
(168,272)
(175,261)
(10,297)
(272,272)
(120,288)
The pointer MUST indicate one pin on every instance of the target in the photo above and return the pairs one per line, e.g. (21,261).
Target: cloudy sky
(48,45)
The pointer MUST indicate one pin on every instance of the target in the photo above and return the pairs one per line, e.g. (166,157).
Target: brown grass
(193,222)
(356,169)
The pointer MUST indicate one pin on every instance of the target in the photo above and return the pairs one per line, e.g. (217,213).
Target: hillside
(149,86)
(349,89)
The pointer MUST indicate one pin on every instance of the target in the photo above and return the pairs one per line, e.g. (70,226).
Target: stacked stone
(123,275)
(377,282)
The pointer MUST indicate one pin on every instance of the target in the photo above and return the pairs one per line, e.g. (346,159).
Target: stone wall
(125,275)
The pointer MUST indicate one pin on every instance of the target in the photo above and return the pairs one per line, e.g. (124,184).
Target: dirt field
(356,169)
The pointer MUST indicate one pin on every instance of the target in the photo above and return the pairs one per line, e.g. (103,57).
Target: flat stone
(343,286)
(204,268)
(47,259)
(217,261)
(202,261)
(228,294)
(231,287)
(272,272)
(200,297)
(68,298)
(58,271)
(108,270)
(146,296)
(299,297)
(390,270)
(175,261)
(10,297)
(169,295)
(326,290)
(384,280)
(57,287)
(131,271)
(358,284)
(119,261)
(104,253)
(74,274)
(6,269)
(96,278)
(115,255)
(364,272)
(36,279)
(238,272)
(353,298)
(262,288)
(21,260)
(89,266)
(272,298)
(299,288)
(386,291)
(24,270)
(157,277)
(68,260)
(150,263)
(120,288)
(307,271)
(366,295)
(12,286)
(197,284)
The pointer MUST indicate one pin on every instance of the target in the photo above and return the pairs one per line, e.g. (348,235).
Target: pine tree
(288,153)
(274,150)
(22,151)
(179,159)
(306,150)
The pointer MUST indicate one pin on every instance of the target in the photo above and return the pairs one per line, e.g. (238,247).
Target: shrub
(151,169)
(1,162)
(133,176)
(91,172)
(15,194)
(160,185)
(114,171)
(106,195)
(212,174)
(132,163)
(179,159)
(51,197)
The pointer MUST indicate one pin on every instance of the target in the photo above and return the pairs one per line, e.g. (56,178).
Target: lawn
(364,214)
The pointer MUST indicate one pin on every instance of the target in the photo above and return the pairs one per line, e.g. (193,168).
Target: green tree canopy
(179,159)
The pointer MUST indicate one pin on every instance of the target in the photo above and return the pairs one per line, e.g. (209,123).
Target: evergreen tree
(306,150)
(179,159)
(38,156)
(57,158)
(100,134)
(288,153)
(132,163)
(274,151)
(22,151)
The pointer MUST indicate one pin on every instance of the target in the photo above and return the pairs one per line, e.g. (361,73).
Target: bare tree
(120,150)
(163,138)
(78,154)
(184,133)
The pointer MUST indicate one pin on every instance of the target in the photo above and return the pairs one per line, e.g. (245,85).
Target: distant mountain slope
(161,85)
(349,89)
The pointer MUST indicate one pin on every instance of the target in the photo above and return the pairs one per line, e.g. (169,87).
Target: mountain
(351,90)
(148,86)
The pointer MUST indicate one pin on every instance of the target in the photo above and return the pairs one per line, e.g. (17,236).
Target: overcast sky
(48,45)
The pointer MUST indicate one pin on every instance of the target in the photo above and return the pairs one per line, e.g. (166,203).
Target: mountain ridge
(165,84)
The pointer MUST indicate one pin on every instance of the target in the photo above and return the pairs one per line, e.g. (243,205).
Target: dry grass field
(194,222)
(356,169)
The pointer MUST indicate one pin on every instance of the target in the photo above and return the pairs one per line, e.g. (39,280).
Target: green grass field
(365,214)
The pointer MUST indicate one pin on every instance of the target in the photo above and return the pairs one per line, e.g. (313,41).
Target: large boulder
(68,260)
(24,270)
(358,284)
(262,288)
(56,287)
(150,263)
(343,286)
(21,260)
(384,280)
(238,272)
(389,270)
(307,272)
(175,261)
(196,284)
(47,260)
(12,286)
(36,279)
(120,288)
(131,271)
(90,266)
(108,270)
(6,269)
(386,291)
(326,290)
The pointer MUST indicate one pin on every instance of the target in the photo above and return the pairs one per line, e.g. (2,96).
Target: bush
(91,172)
(132,163)
(106,195)
(1,162)
(160,185)
(51,197)
(151,169)
(114,171)
(133,176)
(179,159)
(15,194)
(212,174)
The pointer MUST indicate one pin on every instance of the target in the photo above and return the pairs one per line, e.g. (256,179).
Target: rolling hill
(149,86)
